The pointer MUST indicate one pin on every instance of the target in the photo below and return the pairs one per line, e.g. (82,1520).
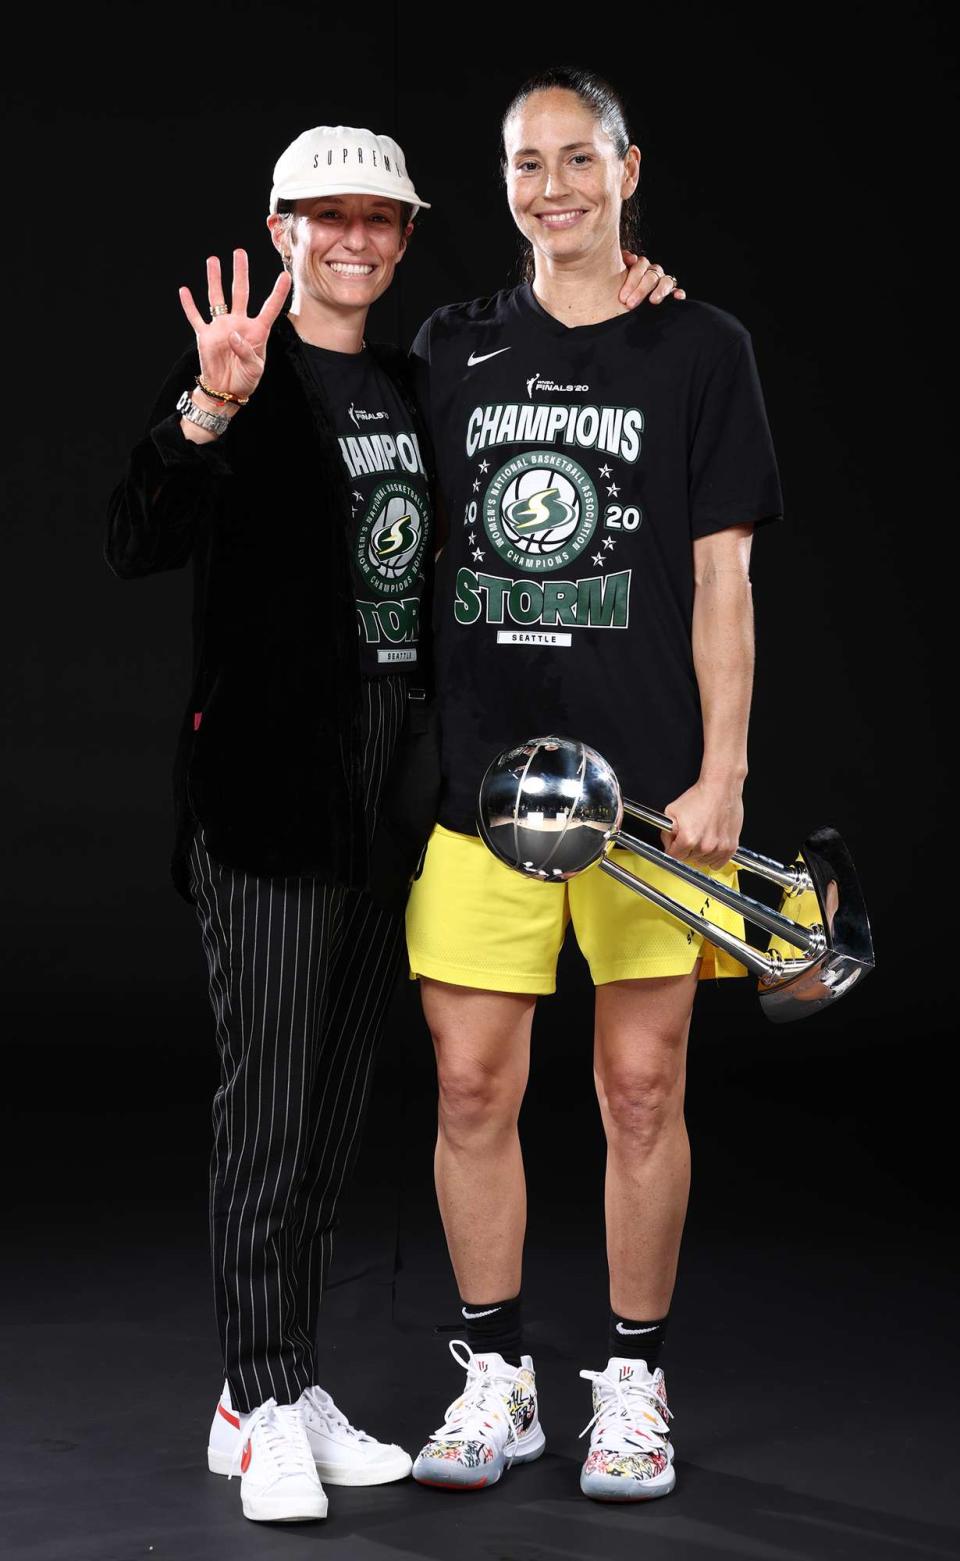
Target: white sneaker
(630,1457)
(278,1477)
(491,1425)
(344,1455)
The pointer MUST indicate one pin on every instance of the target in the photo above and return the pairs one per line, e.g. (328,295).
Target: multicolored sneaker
(490,1426)
(630,1457)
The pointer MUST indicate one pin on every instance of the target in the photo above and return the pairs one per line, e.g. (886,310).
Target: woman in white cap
(298,486)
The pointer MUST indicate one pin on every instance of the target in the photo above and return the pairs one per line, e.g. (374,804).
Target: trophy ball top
(549,807)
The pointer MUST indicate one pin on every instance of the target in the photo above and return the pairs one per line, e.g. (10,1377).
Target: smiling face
(341,250)
(566,182)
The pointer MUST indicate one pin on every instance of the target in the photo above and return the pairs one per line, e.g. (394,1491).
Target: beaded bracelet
(223,396)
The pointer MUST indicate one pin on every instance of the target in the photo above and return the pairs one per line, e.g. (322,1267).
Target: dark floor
(808,1361)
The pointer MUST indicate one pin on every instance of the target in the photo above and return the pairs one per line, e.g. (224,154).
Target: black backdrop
(794,173)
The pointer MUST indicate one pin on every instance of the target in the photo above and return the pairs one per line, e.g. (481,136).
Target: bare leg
(482,1042)
(640,1070)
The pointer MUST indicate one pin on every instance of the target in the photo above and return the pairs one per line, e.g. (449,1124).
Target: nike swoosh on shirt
(472,361)
(471,1315)
(622,1329)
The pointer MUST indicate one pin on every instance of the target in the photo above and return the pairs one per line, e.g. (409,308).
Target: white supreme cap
(340,160)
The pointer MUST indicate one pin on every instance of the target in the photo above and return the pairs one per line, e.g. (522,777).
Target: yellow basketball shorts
(474,922)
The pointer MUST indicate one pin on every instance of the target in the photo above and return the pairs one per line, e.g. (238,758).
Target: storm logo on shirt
(395,537)
(391,538)
(540,510)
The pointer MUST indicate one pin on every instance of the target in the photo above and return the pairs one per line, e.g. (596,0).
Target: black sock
(637,1340)
(495,1327)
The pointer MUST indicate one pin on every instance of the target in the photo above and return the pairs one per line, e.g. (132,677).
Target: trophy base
(830,977)
(796,988)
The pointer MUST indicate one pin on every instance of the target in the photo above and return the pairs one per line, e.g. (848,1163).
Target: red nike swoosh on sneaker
(233,1419)
(245,1460)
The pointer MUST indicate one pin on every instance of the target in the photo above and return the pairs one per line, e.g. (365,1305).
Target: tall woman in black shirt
(602,472)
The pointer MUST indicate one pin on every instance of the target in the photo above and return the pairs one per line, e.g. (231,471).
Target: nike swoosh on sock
(470,1316)
(622,1329)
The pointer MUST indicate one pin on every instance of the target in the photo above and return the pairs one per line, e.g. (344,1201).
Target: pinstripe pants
(301,976)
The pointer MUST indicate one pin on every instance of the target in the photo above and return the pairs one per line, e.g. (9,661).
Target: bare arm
(710,815)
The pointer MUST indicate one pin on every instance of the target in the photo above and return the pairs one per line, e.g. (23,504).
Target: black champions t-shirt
(390,501)
(577,465)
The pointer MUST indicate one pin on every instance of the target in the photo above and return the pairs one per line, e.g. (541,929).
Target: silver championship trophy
(553,807)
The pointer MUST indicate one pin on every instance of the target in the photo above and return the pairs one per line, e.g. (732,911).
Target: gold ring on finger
(216,309)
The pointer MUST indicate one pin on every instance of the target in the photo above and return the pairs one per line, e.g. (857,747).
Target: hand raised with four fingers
(231,345)
(646,280)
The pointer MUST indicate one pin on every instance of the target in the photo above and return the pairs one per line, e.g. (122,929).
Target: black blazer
(269,757)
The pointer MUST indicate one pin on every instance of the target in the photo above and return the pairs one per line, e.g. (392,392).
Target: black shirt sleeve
(733,469)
